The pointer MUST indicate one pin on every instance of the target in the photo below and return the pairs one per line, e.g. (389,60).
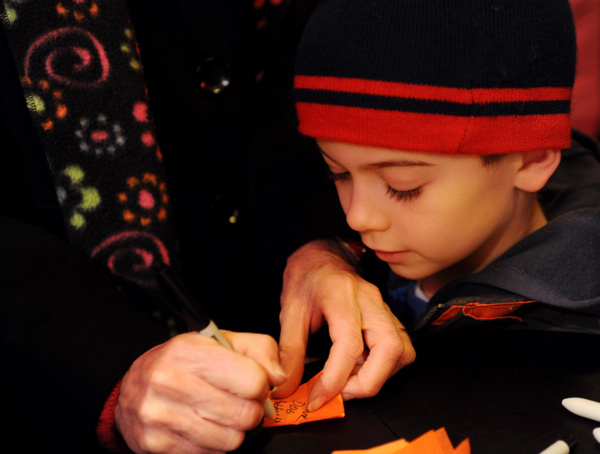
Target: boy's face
(428,215)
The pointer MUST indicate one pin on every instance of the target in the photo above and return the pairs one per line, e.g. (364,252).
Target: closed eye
(404,195)
(340,176)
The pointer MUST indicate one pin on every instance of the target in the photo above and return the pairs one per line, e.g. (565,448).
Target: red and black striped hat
(443,76)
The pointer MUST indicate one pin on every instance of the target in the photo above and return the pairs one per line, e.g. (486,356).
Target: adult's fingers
(175,365)
(162,426)
(261,348)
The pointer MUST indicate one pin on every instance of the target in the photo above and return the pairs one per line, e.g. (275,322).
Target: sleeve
(67,337)
(106,430)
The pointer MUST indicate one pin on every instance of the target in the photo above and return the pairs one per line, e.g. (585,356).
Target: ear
(536,167)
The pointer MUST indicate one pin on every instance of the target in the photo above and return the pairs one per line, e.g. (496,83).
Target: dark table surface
(502,390)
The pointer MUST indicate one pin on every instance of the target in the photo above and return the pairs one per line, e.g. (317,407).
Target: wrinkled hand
(191,395)
(369,343)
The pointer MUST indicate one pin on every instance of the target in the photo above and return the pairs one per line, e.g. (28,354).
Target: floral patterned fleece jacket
(83,83)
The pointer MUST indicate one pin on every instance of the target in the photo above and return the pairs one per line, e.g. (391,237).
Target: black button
(214,75)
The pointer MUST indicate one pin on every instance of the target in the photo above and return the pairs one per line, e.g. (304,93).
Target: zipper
(426,318)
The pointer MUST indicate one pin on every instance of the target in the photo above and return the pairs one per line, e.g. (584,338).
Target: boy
(442,123)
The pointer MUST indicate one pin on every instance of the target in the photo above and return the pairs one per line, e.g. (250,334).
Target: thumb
(262,349)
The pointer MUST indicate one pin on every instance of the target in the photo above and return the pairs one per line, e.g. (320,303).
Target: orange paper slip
(431,442)
(293,409)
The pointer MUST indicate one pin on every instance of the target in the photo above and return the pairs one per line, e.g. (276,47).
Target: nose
(364,212)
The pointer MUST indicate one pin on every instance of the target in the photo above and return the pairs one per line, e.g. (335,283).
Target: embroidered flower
(46,102)
(98,137)
(79,9)
(145,201)
(75,195)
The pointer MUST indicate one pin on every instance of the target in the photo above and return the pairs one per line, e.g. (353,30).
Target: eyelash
(390,192)
(404,195)
(338,176)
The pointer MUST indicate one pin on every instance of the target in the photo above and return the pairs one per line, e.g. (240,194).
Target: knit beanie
(443,76)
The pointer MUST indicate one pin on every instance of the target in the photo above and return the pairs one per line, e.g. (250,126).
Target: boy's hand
(191,395)
(369,343)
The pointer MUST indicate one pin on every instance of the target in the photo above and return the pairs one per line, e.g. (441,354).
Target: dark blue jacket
(551,278)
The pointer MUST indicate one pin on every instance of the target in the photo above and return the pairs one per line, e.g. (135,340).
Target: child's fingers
(292,344)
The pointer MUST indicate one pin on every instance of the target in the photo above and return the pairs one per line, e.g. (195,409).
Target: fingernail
(316,404)
(348,396)
(278,370)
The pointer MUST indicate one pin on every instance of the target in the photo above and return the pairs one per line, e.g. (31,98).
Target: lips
(392,257)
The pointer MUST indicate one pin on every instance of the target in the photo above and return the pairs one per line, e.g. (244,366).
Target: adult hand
(369,343)
(191,395)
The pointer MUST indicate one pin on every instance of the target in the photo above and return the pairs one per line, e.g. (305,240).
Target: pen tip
(269,409)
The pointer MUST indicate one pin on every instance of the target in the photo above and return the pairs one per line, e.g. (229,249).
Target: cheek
(454,226)
(440,237)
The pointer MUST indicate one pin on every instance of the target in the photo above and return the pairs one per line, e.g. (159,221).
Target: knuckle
(248,415)
(183,344)
(408,356)
(370,390)
(397,347)
(176,342)
(159,378)
(152,443)
(255,382)
(258,387)
(148,415)
(233,440)
(265,342)
(354,348)
(371,290)
(344,280)
(401,353)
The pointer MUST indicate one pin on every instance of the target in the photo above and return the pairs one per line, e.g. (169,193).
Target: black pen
(191,311)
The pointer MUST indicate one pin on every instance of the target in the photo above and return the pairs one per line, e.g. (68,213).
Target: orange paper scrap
(431,442)
(293,409)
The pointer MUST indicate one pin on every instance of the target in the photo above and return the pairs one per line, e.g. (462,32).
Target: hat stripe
(429,99)
(425,106)
(434,132)
(431,92)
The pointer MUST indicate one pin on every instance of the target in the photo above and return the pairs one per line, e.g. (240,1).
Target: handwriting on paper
(293,409)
